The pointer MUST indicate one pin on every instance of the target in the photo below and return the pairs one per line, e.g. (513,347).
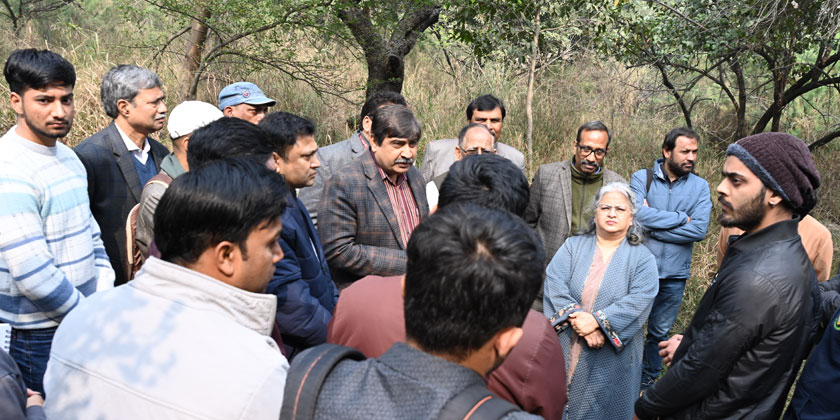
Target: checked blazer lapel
(415,182)
(125,162)
(565,178)
(377,188)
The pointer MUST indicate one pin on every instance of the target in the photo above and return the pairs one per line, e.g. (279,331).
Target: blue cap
(243,93)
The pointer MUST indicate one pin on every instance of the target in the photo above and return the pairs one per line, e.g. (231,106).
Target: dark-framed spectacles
(476,151)
(586,150)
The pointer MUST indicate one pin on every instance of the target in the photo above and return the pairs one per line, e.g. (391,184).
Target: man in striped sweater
(51,253)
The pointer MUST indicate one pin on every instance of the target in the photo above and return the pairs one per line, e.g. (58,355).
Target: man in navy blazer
(120,159)
(306,294)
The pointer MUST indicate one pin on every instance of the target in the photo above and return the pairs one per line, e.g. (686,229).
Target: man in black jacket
(756,322)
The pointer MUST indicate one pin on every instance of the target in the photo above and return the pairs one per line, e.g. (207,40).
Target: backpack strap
(476,402)
(307,375)
(649,172)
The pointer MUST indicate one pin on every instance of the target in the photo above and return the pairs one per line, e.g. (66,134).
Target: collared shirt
(363,138)
(140,154)
(402,200)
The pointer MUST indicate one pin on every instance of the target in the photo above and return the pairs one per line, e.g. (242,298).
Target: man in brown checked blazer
(371,206)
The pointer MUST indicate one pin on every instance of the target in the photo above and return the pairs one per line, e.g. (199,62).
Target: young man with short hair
(51,253)
(755,324)
(472,275)
(189,336)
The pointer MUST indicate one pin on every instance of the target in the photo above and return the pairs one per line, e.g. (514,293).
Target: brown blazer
(357,224)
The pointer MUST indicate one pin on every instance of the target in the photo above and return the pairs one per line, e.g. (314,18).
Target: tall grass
(566,96)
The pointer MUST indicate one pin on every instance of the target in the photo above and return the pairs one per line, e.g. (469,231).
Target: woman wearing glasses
(598,292)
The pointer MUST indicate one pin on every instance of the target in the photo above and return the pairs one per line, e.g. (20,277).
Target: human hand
(595,340)
(33,398)
(668,348)
(689,220)
(583,322)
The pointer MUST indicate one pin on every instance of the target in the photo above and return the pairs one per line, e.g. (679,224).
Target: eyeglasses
(475,151)
(606,208)
(586,150)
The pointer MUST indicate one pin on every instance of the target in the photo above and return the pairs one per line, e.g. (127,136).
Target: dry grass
(566,96)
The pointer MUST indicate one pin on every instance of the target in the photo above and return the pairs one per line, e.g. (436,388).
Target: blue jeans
(664,312)
(31,350)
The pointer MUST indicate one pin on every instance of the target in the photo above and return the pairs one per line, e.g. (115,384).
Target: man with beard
(756,323)
(122,158)
(562,192)
(371,206)
(674,206)
(51,254)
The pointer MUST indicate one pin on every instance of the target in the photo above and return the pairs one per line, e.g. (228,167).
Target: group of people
(249,273)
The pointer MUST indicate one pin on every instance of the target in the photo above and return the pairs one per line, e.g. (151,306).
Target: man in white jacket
(189,338)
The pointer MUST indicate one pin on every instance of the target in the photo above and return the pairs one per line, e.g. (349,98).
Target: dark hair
(223,200)
(488,180)
(594,126)
(485,103)
(377,99)
(283,129)
(228,137)
(671,138)
(394,121)
(125,82)
(463,133)
(34,69)
(471,272)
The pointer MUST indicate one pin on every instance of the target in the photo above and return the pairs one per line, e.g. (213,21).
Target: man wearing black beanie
(756,323)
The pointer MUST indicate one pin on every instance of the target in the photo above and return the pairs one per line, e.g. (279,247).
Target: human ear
(505,340)
(16,102)
(225,254)
(122,107)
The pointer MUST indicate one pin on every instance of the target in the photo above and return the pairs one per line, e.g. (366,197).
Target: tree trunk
(529,98)
(386,57)
(741,111)
(671,88)
(386,72)
(195,52)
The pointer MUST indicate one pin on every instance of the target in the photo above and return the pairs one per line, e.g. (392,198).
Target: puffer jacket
(749,335)
(671,235)
(306,294)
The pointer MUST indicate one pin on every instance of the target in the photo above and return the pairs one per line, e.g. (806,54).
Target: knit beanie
(784,164)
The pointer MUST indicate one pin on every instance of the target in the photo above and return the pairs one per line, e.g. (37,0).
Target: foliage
(503,31)
(761,56)
(20,11)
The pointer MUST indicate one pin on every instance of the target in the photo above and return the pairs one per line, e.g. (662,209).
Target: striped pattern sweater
(51,253)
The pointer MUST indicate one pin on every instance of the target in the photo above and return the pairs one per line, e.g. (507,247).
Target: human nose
(408,151)
(721,188)
(277,251)
(58,110)
(316,163)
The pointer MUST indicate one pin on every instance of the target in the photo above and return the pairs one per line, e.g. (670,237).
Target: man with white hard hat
(187,117)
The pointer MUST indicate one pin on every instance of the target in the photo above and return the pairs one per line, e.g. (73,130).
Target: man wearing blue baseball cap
(244,100)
